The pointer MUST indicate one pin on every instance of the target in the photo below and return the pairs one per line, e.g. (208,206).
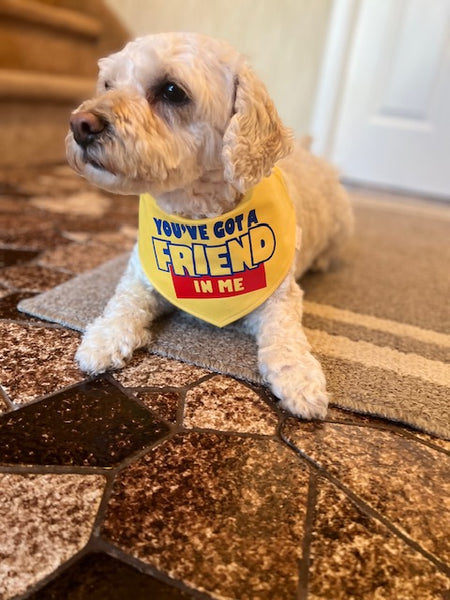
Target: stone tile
(16,207)
(335,414)
(42,180)
(35,361)
(42,239)
(92,424)
(407,482)
(224,514)
(124,239)
(87,203)
(10,204)
(150,370)
(355,556)
(32,278)
(164,404)
(122,212)
(44,521)
(98,576)
(113,221)
(78,258)
(224,404)
(8,306)
(9,257)
(28,230)
(3,405)
(431,439)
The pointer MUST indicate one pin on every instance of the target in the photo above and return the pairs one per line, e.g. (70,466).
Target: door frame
(333,74)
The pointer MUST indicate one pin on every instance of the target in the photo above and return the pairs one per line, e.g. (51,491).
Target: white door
(392,115)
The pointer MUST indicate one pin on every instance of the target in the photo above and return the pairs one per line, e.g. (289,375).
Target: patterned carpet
(166,480)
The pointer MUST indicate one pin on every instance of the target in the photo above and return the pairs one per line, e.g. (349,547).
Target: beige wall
(283,39)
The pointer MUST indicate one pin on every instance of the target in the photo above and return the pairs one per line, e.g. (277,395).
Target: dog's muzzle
(86,127)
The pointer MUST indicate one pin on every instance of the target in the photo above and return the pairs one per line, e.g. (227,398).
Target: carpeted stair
(48,55)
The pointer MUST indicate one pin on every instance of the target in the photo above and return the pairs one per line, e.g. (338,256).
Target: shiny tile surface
(354,556)
(364,459)
(90,424)
(99,576)
(31,278)
(8,305)
(149,370)
(223,514)
(77,258)
(44,521)
(9,257)
(164,404)
(166,481)
(224,404)
(35,361)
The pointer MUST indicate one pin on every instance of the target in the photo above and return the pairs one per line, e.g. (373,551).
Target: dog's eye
(107,85)
(171,92)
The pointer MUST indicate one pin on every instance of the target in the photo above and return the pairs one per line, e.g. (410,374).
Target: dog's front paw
(300,385)
(106,346)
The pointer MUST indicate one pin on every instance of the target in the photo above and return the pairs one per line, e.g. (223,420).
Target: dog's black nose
(85,127)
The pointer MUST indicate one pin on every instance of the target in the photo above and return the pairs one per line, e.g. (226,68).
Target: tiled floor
(168,482)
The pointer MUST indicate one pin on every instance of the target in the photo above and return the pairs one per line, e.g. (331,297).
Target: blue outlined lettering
(236,255)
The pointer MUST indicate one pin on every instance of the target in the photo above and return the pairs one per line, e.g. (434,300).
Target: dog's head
(169,109)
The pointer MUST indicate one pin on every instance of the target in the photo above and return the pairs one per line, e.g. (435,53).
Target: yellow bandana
(221,269)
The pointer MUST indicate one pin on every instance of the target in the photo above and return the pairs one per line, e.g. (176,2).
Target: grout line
(391,427)
(409,435)
(303,573)
(28,322)
(108,547)
(181,410)
(367,509)
(49,396)
(39,585)
(38,262)
(193,384)
(27,469)
(131,394)
(7,400)
(227,433)
(136,456)
(102,509)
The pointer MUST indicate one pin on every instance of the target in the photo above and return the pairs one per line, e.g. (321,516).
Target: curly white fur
(197,159)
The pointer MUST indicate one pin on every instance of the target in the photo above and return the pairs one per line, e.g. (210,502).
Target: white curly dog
(183,117)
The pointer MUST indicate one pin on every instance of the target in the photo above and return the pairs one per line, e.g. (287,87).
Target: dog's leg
(112,338)
(284,357)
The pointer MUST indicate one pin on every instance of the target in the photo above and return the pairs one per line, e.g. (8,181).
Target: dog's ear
(255,137)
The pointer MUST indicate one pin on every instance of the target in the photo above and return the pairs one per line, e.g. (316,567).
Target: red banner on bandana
(219,287)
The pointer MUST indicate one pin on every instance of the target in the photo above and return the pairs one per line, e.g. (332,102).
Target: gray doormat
(378,323)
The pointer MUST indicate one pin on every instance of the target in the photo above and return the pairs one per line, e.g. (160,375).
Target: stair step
(62,19)
(29,85)
(48,57)
(32,46)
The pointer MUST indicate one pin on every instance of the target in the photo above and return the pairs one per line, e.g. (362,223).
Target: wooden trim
(63,19)
(29,85)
